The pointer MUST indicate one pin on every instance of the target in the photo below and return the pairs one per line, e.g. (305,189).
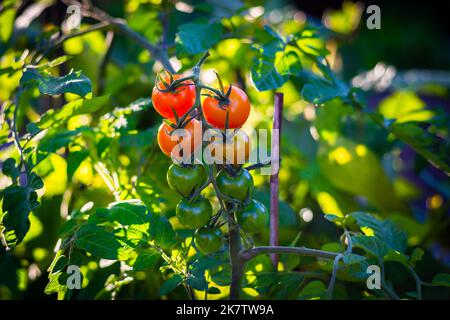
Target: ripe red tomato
(187,140)
(238,109)
(181,99)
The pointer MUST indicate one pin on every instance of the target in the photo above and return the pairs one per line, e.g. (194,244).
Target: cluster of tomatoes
(175,98)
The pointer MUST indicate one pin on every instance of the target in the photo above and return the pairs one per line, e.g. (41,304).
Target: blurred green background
(334,161)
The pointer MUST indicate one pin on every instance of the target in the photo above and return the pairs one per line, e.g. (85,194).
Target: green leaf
(58,139)
(74,82)
(197,270)
(385,231)
(334,218)
(197,282)
(371,245)
(193,38)
(97,241)
(34,181)
(53,63)
(162,233)
(353,259)
(59,263)
(18,202)
(149,194)
(433,148)
(129,214)
(289,64)
(146,259)
(393,255)
(213,290)
(330,120)
(404,106)
(9,168)
(442,279)
(319,91)
(132,236)
(139,139)
(32,128)
(74,160)
(170,285)
(57,283)
(76,107)
(264,73)
(313,291)
(273,65)
(6,24)
(416,255)
(355,169)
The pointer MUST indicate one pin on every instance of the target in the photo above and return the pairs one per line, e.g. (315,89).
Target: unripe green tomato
(208,240)
(194,214)
(186,179)
(236,187)
(253,218)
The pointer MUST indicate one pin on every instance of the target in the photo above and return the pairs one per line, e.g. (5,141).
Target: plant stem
(418,282)
(253,252)
(237,264)
(109,181)
(95,27)
(15,132)
(109,40)
(333,276)
(257,166)
(388,292)
(274,183)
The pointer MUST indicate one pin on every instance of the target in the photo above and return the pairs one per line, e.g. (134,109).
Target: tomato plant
(326,161)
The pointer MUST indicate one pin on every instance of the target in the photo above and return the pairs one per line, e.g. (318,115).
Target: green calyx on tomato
(253,218)
(208,240)
(195,213)
(238,186)
(186,179)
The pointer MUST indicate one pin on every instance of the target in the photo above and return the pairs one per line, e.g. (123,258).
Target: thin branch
(95,27)
(109,41)
(388,292)
(56,43)
(87,10)
(334,275)
(257,166)
(418,282)
(15,132)
(303,251)
(156,52)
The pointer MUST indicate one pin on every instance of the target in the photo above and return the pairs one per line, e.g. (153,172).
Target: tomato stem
(275,162)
